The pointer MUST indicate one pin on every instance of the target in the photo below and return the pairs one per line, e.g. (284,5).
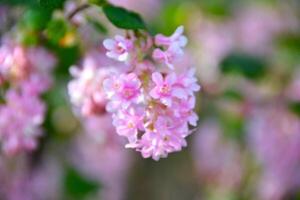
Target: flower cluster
(25,75)
(152,104)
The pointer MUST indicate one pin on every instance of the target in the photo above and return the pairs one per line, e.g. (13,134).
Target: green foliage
(98,26)
(216,7)
(289,47)
(98,2)
(67,57)
(232,94)
(51,4)
(56,30)
(249,66)
(123,18)
(77,186)
(233,126)
(295,108)
(35,19)
(20,2)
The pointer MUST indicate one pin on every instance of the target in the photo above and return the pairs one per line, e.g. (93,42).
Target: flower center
(130,124)
(120,48)
(165,89)
(128,93)
(116,86)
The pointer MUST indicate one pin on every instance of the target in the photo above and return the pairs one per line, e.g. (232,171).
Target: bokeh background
(247,145)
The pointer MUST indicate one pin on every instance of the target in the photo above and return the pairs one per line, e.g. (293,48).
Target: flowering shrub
(88,91)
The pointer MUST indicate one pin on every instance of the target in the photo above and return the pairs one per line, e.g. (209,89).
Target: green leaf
(35,19)
(51,4)
(98,2)
(295,108)
(123,18)
(290,43)
(56,30)
(78,186)
(250,66)
(20,2)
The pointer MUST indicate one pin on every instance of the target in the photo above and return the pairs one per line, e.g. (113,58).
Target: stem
(77,10)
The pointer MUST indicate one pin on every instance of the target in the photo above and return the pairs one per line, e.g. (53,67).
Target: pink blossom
(175,39)
(124,91)
(188,81)
(165,89)
(20,121)
(118,48)
(85,90)
(128,123)
(169,56)
(160,141)
(19,64)
(184,110)
(13,61)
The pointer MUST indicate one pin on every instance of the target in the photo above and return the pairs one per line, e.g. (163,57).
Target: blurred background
(247,145)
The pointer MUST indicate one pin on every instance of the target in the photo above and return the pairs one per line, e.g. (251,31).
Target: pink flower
(160,141)
(168,56)
(26,66)
(184,110)
(118,48)
(164,89)
(20,121)
(85,90)
(123,90)
(175,39)
(188,81)
(128,123)
(13,61)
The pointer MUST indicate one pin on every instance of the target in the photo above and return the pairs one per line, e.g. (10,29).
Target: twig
(77,10)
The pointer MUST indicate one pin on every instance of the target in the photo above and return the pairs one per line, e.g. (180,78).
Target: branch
(77,10)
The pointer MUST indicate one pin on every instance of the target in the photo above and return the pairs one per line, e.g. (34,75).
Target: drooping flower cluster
(25,75)
(152,104)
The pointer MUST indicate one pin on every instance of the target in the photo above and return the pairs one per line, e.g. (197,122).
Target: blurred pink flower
(85,90)
(218,161)
(43,182)
(111,166)
(20,121)
(19,64)
(274,135)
